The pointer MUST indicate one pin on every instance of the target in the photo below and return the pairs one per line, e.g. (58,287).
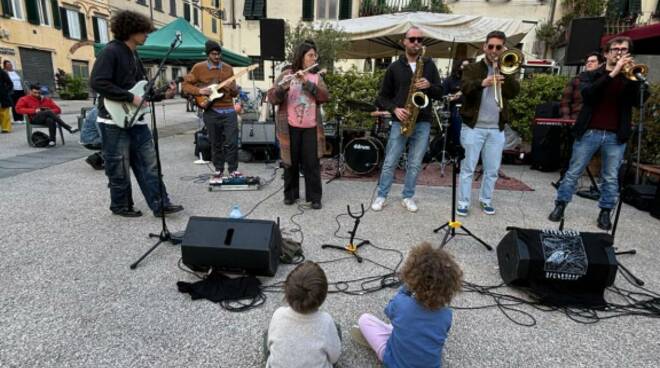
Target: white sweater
(302,340)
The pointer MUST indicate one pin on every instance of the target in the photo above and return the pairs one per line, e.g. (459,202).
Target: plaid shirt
(571,101)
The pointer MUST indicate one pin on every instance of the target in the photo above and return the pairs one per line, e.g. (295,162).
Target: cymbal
(360,106)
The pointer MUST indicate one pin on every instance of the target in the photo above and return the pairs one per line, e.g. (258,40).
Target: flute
(290,77)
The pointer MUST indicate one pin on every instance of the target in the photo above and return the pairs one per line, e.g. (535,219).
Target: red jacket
(27,105)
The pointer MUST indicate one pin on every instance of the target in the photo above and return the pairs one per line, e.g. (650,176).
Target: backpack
(40,139)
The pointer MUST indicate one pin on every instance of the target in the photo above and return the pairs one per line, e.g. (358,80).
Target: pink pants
(376,332)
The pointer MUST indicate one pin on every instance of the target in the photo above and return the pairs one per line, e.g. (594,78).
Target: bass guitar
(206,101)
(122,111)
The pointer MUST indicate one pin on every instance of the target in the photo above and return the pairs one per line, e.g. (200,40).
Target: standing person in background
(483,122)
(571,101)
(299,126)
(18,92)
(220,117)
(451,88)
(5,102)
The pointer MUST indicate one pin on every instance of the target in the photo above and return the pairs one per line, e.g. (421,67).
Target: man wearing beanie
(220,117)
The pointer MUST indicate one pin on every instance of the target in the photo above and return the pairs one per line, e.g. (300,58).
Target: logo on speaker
(564,254)
(361,147)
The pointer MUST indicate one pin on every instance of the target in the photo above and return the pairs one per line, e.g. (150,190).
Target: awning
(646,39)
(380,35)
(191,49)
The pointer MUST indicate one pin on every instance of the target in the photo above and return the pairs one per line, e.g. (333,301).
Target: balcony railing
(377,7)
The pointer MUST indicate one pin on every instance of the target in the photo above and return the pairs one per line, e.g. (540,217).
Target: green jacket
(473,75)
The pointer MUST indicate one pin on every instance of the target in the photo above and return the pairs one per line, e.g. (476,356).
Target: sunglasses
(416,39)
(496,47)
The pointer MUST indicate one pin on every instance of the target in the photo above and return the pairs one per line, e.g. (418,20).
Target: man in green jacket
(483,122)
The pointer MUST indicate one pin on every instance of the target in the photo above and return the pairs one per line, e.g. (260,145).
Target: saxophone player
(483,122)
(401,78)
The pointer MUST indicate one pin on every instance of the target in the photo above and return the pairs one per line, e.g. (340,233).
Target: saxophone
(416,99)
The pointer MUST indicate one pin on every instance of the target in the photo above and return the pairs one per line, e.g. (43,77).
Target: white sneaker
(378,204)
(409,204)
(216,178)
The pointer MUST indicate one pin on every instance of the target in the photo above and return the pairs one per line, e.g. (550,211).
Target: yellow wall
(207,20)
(48,38)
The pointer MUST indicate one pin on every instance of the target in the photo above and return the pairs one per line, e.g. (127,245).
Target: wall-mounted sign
(7,51)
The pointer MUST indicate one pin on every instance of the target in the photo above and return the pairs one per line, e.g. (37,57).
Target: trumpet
(635,72)
(290,77)
(509,62)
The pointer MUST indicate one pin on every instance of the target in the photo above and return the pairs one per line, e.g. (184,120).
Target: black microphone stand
(164,233)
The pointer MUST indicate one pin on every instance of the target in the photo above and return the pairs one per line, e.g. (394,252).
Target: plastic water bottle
(235,212)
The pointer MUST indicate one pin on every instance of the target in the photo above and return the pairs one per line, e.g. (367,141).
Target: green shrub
(75,88)
(650,152)
(352,85)
(536,90)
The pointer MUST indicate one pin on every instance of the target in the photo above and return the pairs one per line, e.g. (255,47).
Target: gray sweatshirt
(302,340)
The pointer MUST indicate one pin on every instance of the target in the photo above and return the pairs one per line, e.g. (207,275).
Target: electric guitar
(122,112)
(206,101)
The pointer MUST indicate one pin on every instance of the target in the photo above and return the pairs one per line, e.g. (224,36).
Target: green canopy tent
(190,51)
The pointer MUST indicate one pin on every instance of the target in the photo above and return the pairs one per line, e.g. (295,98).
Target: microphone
(177,38)
(640,77)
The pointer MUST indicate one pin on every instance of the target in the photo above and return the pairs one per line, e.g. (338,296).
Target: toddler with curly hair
(419,312)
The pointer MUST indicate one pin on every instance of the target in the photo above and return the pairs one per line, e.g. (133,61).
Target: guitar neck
(237,75)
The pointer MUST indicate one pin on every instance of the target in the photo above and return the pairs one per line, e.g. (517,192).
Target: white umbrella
(380,35)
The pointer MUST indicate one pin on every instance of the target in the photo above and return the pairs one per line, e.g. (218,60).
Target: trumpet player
(604,123)
(483,121)
(399,80)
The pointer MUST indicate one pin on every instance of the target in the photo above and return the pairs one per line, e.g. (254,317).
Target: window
(158,5)
(216,4)
(14,8)
(257,74)
(308,10)
(80,69)
(195,17)
(254,9)
(214,25)
(332,9)
(42,6)
(100,30)
(173,8)
(186,12)
(74,25)
(142,2)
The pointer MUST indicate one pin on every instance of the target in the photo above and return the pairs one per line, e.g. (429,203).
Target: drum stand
(351,247)
(340,152)
(451,226)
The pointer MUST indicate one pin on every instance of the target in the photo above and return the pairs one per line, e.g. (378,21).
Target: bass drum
(364,155)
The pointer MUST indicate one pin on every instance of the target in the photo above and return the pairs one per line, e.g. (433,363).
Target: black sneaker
(169,209)
(127,212)
(316,205)
(289,201)
(604,221)
(74,130)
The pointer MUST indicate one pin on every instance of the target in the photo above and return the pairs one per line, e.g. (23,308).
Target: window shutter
(7,11)
(95,27)
(57,21)
(186,12)
(259,9)
(634,7)
(32,12)
(248,7)
(65,22)
(308,10)
(195,17)
(83,26)
(173,8)
(345,7)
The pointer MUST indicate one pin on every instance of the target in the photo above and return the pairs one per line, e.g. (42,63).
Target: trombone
(508,63)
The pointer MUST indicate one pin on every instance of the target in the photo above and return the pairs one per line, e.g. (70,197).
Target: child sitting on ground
(300,335)
(419,312)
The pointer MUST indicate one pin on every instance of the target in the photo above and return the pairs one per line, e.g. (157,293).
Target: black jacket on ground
(592,86)
(116,70)
(396,83)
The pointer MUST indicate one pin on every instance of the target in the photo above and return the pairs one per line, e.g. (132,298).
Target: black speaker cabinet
(232,244)
(272,39)
(257,133)
(583,37)
(565,267)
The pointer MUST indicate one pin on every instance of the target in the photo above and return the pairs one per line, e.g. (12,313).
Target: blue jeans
(611,152)
(417,144)
(489,143)
(131,148)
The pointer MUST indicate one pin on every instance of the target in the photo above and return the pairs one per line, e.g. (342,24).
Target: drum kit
(362,155)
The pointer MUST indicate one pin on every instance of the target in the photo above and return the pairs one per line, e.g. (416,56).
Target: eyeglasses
(496,47)
(591,61)
(619,49)
(416,39)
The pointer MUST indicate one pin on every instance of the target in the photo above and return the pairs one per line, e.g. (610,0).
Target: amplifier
(257,133)
(232,244)
(561,267)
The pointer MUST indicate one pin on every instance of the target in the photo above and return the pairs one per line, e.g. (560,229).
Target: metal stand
(164,234)
(340,151)
(351,247)
(452,225)
(593,192)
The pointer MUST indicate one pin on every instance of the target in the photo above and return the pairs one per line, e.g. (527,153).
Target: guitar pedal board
(237,183)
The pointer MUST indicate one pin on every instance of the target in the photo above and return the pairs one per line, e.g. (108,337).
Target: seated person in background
(419,312)
(300,335)
(90,138)
(42,111)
